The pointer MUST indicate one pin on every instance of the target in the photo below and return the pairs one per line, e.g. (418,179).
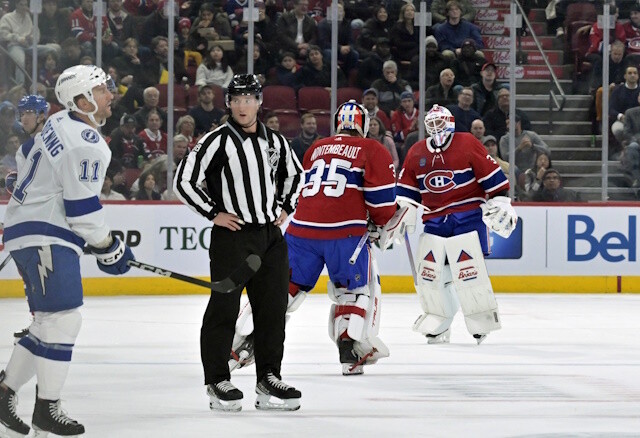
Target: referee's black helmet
(244,84)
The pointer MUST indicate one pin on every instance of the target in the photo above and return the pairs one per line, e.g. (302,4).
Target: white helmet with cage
(80,80)
(440,124)
(352,116)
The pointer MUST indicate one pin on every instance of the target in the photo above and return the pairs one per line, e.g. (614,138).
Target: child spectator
(215,69)
(403,117)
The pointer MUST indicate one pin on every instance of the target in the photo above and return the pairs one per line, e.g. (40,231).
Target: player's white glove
(498,214)
(403,221)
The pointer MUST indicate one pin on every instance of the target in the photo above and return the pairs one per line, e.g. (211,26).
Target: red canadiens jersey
(155,145)
(83,27)
(633,38)
(450,181)
(346,180)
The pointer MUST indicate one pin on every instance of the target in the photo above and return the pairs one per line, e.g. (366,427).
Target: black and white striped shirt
(252,175)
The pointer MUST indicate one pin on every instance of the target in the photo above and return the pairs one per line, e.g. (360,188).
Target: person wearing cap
(370,68)
(485,91)
(125,145)
(370,102)
(468,63)
(552,190)
(404,117)
(495,120)
(434,64)
(490,142)
(443,93)
(455,30)
(463,113)
(390,87)
(439,10)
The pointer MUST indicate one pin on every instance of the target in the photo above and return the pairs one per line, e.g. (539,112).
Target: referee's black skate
(274,394)
(48,417)
(15,427)
(223,396)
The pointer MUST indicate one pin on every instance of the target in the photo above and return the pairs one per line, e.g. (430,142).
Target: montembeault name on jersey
(337,149)
(51,140)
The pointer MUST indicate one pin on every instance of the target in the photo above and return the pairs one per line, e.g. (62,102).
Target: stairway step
(594,167)
(535,71)
(499,28)
(537,15)
(567,114)
(541,86)
(576,153)
(533,57)
(571,128)
(526,43)
(542,100)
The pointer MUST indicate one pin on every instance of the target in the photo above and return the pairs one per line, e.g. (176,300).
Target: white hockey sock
(20,369)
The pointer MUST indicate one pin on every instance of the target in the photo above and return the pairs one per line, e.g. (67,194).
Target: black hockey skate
(223,396)
(48,416)
(479,337)
(19,335)
(351,364)
(15,427)
(274,394)
(442,338)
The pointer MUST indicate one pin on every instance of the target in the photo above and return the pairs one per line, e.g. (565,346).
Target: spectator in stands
(358,10)
(468,63)
(186,127)
(71,53)
(8,124)
(390,87)
(530,181)
(261,62)
(528,144)
(17,34)
(630,158)
(4,193)
(308,134)
(412,138)
(151,98)
(404,35)
(141,8)
(206,115)
(49,72)
(378,132)
(122,25)
(128,63)
(485,92)
(147,188)
(287,70)
(443,93)
(215,69)
(154,138)
(552,190)
(156,69)
(370,68)
(265,33)
(348,56)
(180,148)
(202,31)
(83,28)
(127,148)
(11,146)
(462,112)
(403,117)
(439,10)
(490,142)
(53,23)
(434,64)
(370,102)
(495,120)
(297,30)
(595,36)
(455,30)
(317,73)
(623,97)
(617,63)
(116,171)
(632,34)
(374,28)
(107,193)
(271,121)
(478,129)
(156,24)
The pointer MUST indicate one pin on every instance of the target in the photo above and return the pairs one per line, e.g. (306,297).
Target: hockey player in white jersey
(54,211)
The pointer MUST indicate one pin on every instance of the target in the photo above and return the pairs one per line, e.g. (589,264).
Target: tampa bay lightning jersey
(60,175)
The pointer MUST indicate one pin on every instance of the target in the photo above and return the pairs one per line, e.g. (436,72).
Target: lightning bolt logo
(46,264)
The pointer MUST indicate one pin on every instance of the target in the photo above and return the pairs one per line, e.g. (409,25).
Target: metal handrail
(10,59)
(559,105)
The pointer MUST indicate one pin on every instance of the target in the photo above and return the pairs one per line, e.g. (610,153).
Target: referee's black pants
(267,291)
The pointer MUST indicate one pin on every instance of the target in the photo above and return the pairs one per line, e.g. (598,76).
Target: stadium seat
(347,93)
(579,45)
(314,99)
(324,123)
(289,123)
(279,97)
(582,11)
(131,175)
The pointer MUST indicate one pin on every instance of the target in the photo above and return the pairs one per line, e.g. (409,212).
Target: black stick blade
(239,277)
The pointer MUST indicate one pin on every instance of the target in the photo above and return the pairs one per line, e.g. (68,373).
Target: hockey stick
(5,262)
(411,261)
(237,278)
(356,252)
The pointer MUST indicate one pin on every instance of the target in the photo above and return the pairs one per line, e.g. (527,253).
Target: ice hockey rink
(561,366)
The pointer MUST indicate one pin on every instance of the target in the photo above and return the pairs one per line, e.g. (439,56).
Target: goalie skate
(243,355)
(274,394)
(442,338)
(351,363)
(223,396)
(479,337)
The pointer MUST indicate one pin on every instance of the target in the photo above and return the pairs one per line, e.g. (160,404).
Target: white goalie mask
(80,80)
(440,124)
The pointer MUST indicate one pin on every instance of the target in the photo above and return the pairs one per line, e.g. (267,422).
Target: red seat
(289,123)
(582,11)
(131,175)
(279,97)
(218,97)
(180,98)
(345,94)
(323,121)
(313,99)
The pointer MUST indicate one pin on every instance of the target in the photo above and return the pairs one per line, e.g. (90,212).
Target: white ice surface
(561,366)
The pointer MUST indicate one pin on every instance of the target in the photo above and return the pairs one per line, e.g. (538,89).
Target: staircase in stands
(575,152)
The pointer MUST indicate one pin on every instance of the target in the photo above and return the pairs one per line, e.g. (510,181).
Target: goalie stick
(411,261)
(356,252)
(5,262)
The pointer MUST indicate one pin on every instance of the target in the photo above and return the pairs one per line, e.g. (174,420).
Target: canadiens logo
(439,181)
(90,135)
(634,44)
(468,273)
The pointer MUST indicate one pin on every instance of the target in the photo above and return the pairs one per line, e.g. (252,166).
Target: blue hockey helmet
(34,103)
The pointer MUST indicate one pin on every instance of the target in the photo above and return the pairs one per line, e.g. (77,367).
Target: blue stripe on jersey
(80,207)
(59,352)
(354,177)
(26,147)
(382,196)
(30,228)
(493,181)
(411,193)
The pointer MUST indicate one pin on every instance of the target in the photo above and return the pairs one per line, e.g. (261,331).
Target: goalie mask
(351,116)
(440,124)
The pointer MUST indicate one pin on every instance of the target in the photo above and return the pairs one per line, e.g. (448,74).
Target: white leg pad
(472,283)
(434,287)
(244,323)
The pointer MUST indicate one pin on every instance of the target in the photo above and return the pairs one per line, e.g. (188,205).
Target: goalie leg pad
(472,283)
(434,287)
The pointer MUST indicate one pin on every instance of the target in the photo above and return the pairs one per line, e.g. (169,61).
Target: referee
(252,182)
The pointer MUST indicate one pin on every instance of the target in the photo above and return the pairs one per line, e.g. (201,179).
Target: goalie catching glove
(113,259)
(498,214)
(403,221)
